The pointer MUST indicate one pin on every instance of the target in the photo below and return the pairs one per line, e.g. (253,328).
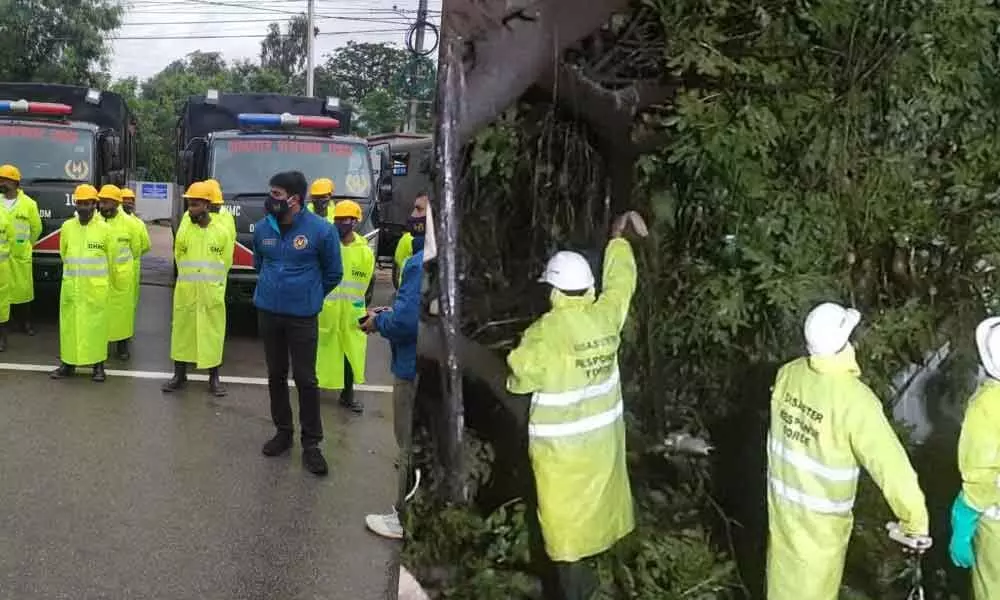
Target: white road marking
(361,387)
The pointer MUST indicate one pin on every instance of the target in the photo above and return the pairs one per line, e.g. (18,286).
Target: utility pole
(418,48)
(310,35)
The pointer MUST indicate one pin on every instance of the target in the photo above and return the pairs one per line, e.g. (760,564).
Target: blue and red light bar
(286,120)
(35,108)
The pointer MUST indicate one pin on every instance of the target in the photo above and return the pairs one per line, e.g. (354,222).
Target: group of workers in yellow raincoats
(100,248)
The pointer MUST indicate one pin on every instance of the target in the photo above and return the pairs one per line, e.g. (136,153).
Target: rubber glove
(964,520)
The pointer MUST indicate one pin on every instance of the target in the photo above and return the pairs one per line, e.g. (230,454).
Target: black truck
(60,136)
(241,140)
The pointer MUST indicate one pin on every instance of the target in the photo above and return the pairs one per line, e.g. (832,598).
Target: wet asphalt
(117,490)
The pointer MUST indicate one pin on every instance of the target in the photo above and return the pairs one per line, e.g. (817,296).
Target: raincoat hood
(561,300)
(844,361)
(988,344)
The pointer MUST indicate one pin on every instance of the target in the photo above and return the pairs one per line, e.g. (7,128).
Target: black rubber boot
(123,352)
(3,337)
(215,386)
(99,376)
(26,316)
(347,397)
(178,380)
(62,371)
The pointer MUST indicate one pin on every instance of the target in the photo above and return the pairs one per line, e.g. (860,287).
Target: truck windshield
(48,151)
(244,166)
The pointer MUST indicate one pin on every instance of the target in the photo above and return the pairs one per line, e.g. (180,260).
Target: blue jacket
(296,270)
(400,325)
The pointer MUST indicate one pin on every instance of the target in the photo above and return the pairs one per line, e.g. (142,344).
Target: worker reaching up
(6,239)
(128,205)
(203,253)
(127,241)
(975,514)
(320,192)
(568,361)
(825,424)
(23,212)
(340,358)
(87,249)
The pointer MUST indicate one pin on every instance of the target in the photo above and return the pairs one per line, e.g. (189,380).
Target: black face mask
(416,226)
(197,219)
(128,208)
(6,189)
(345,229)
(85,214)
(276,207)
(320,205)
(108,213)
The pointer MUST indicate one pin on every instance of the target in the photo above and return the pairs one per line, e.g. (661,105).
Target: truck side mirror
(385,187)
(185,158)
(385,162)
(111,152)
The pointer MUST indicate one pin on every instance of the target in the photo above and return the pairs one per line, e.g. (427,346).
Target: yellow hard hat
(216,191)
(110,192)
(127,194)
(199,190)
(347,208)
(84,192)
(10,172)
(321,187)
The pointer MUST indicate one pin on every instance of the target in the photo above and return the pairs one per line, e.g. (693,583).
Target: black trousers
(286,336)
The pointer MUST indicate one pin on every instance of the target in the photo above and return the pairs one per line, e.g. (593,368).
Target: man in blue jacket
(399,325)
(297,257)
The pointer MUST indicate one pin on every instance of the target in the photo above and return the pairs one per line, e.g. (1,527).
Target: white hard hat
(828,328)
(568,271)
(988,343)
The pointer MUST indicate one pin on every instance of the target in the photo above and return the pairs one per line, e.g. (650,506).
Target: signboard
(154,191)
(154,200)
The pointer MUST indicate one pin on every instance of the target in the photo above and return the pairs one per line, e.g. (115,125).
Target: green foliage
(57,41)
(834,150)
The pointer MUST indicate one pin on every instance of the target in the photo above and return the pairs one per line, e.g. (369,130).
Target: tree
(57,41)
(285,53)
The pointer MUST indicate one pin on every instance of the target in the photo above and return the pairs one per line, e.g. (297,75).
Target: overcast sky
(158,32)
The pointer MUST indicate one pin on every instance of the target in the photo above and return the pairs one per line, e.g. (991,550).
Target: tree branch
(507,60)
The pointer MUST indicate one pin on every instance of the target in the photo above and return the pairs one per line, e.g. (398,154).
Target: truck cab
(241,140)
(410,159)
(60,136)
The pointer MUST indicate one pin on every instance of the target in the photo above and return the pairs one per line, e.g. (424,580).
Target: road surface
(117,490)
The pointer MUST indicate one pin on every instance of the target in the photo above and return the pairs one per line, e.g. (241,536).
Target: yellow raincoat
(144,247)
(825,424)
(568,361)
(404,250)
(339,334)
(198,329)
(88,253)
(127,242)
(6,240)
(27,228)
(979,463)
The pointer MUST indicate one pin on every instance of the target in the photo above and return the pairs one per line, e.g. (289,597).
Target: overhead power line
(245,35)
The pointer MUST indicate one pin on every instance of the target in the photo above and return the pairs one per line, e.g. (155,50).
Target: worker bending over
(975,514)
(87,249)
(203,253)
(568,361)
(340,358)
(825,424)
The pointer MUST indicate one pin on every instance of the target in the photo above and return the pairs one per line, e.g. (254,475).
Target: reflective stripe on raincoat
(339,334)
(87,253)
(144,247)
(6,239)
(825,424)
(979,463)
(404,250)
(568,361)
(198,329)
(27,228)
(127,243)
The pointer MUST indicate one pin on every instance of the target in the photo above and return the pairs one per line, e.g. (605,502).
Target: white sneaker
(387,526)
